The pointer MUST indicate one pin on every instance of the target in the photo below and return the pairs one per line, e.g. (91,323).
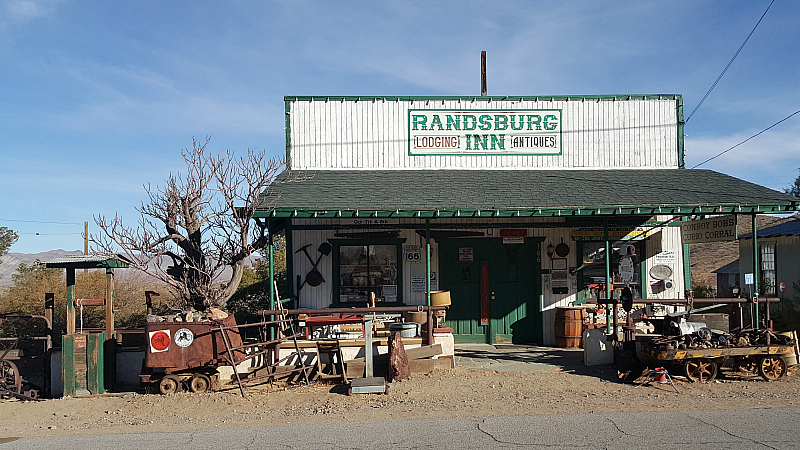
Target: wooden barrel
(569,327)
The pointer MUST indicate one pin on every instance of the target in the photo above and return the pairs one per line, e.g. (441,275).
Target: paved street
(732,429)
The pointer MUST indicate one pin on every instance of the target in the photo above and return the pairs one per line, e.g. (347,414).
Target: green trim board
(515,193)
(681,126)
(479,98)
(288,126)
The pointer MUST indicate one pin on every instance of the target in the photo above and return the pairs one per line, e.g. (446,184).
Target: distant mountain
(12,261)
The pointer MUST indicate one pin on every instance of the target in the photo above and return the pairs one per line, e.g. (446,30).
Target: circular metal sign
(159,341)
(184,337)
(660,272)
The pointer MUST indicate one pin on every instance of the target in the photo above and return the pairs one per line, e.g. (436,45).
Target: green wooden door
(507,275)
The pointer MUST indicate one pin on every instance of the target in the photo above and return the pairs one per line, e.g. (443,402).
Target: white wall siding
(552,301)
(373,134)
(665,238)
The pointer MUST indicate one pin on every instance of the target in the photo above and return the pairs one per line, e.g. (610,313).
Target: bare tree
(198,224)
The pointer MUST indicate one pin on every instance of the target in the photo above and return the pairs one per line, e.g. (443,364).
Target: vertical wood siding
(373,134)
(787,268)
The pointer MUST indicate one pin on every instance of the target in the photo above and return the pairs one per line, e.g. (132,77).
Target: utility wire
(52,234)
(751,137)
(729,63)
(39,221)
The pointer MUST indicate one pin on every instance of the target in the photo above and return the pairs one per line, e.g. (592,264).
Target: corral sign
(712,229)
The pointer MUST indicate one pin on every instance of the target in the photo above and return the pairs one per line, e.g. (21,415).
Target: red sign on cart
(159,341)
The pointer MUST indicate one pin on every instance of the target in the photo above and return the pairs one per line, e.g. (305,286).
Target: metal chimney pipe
(483,73)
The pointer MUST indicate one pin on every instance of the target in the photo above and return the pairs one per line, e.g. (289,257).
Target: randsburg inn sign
(484,132)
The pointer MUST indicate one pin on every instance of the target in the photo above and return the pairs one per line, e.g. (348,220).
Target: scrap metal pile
(684,336)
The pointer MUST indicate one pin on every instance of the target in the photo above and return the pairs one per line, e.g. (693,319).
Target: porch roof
(515,193)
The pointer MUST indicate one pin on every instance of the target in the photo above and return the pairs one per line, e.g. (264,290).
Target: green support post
(428,260)
(755,268)
(109,344)
(608,276)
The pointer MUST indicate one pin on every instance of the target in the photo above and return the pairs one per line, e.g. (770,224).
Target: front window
(365,269)
(625,268)
(768,269)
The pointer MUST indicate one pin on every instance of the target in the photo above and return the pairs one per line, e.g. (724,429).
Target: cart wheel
(700,369)
(200,383)
(772,367)
(9,377)
(170,384)
(747,364)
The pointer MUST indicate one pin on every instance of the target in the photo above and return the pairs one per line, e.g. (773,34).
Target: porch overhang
(434,194)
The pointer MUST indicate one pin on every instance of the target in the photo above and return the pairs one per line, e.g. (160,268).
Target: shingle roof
(791,228)
(87,262)
(526,192)
(732,267)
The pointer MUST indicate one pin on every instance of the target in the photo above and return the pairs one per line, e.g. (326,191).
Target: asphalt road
(732,429)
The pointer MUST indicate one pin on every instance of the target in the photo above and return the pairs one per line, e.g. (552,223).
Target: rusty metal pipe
(367,310)
(357,311)
(683,301)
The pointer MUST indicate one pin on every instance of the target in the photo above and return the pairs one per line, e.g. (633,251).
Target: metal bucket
(406,330)
(791,360)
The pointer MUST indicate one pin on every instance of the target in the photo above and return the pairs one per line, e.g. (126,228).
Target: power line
(53,234)
(39,221)
(751,137)
(729,63)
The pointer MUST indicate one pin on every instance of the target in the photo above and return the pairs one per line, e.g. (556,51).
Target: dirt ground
(448,393)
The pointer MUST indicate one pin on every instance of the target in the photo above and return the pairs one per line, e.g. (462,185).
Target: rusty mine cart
(188,354)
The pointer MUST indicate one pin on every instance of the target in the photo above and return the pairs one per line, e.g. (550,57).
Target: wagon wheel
(700,369)
(9,377)
(772,367)
(200,383)
(170,384)
(747,364)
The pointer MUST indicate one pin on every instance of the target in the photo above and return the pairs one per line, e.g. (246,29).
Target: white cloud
(22,11)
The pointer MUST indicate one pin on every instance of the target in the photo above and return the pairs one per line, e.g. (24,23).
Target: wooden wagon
(703,364)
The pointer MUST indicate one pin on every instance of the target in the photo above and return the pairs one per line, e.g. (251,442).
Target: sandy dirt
(449,393)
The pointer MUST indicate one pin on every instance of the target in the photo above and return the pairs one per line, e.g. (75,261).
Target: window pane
(625,266)
(353,279)
(768,281)
(368,268)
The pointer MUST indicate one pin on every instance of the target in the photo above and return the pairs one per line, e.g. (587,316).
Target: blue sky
(97,98)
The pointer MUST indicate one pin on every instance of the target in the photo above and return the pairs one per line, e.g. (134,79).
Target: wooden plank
(424,352)
(413,353)
(355,369)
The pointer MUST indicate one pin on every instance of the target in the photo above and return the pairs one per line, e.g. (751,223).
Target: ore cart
(189,353)
(703,364)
